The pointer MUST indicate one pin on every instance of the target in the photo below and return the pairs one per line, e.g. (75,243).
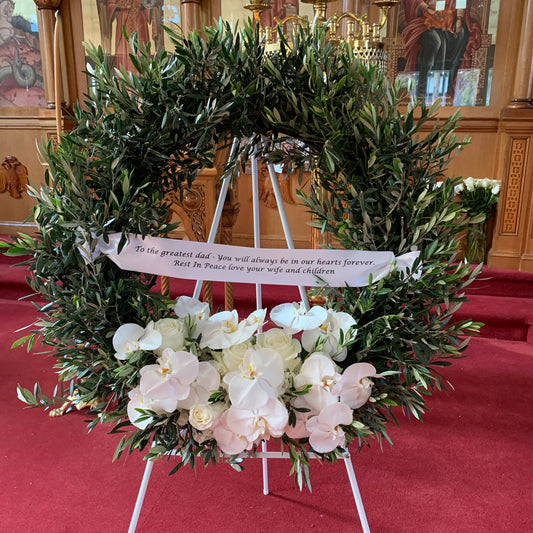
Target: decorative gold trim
(513,189)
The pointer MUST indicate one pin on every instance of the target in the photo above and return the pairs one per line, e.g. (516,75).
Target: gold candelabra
(364,37)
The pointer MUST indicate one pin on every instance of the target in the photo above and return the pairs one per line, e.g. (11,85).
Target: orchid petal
(186,306)
(325,431)
(227,440)
(151,338)
(125,339)
(247,393)
(356,387)
(294,317)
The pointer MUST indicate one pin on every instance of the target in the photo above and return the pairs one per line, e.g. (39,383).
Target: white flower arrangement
(238,386)
(478,195)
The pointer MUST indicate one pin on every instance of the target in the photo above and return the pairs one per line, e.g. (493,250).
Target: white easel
(264,455)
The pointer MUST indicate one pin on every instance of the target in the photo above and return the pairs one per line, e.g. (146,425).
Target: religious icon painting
(440,40)
(21,75)
(105,23)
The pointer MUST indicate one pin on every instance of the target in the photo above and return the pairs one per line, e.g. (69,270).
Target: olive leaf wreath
(378,162)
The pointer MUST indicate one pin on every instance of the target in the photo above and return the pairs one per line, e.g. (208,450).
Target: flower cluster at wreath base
(237,386)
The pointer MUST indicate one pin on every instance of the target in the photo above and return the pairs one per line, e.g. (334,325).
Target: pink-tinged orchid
(227,440)
(330,330)
(319,371)
(207,381)
(138,401)
(270,420)
(131,337)
(356,387)
(258,379)
(223,330)
(324,429)
(186,306)
(294,317)
(171,377)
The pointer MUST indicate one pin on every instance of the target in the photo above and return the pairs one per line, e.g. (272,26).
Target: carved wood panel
(514,185)
(13,177)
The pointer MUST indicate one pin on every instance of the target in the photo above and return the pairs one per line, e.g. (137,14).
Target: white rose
(495,187)
(172,333)
(201,417)
(486,183)
(233,355)
(469,184)
(279,340)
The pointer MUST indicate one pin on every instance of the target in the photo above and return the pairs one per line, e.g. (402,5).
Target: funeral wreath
(175,376)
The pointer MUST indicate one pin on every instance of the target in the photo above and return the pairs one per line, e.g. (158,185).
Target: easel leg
(264,462)
(218,212)
(258,293)
(140,496)
(257,228)
(356,493)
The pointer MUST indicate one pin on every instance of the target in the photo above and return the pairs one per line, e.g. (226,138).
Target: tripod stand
(264,455)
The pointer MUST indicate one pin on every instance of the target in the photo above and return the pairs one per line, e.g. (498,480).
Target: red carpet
(466,468)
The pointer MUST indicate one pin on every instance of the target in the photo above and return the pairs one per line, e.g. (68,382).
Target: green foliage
(379,184)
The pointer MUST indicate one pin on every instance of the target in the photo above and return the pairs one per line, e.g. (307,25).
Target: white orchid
(139,401)
(356,385)
(207,381)
(319,371)
(294,317)
(171,377)
(131,337)
(264,422)
(223,329)
(337,324)
(256,320)
(258,379)
(325,433)
(186,306)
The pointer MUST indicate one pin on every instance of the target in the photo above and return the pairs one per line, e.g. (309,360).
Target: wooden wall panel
(19,136)
(271,229)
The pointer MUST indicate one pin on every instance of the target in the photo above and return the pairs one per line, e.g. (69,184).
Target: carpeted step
(503,317)
(13,281)
(502,282)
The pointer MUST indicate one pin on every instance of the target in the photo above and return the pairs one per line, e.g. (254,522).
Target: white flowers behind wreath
(237,385)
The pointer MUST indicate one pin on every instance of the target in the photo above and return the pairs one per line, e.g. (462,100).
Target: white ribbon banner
(267,266)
